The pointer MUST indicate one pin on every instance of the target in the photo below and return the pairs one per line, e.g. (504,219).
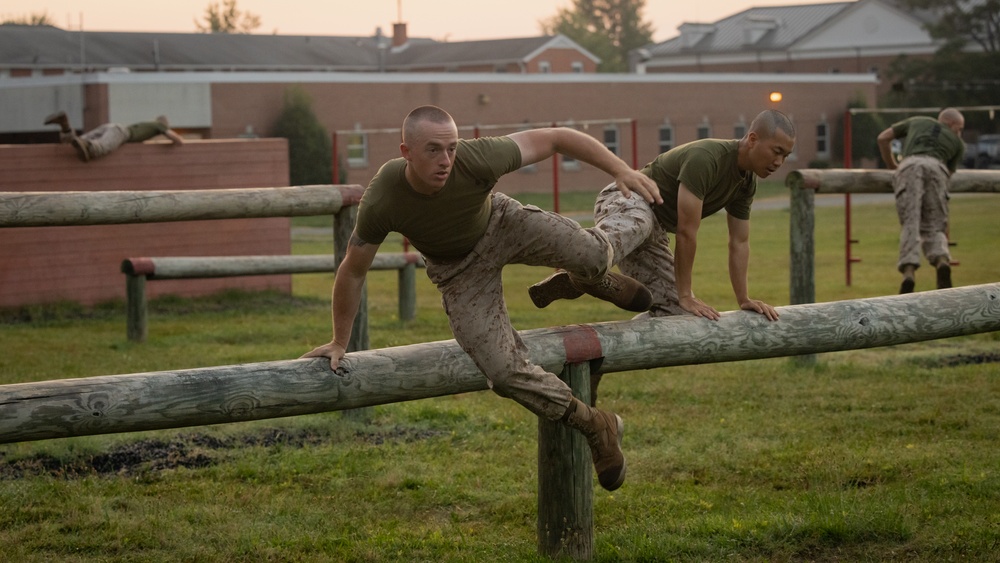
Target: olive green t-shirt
(708,168)
(139,132)
(929,137)
(449,223)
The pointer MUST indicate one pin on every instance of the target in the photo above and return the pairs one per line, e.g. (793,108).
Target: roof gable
(771,28)
(870,23)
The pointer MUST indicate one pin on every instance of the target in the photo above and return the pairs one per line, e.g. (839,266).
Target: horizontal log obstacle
(139,270)
(60,209)
(879,181)
(807,182)
(214,395)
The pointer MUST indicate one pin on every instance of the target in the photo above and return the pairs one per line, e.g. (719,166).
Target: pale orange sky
(452,20)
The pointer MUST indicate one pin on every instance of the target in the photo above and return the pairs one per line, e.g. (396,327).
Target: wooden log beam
(862,181)
(213,395)
(180,267)
(56,209)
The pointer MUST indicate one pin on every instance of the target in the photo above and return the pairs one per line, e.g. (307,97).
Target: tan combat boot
(603,431)
(616,288)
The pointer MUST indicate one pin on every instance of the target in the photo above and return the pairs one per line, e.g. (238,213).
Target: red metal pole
(848,241)
(336,163)
(555,181)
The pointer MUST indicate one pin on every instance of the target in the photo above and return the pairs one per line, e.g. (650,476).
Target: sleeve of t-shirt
(369,226)
(697,171)
(489,158)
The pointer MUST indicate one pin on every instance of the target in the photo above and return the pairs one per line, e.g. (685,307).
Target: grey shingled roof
(793,23)
(50,47)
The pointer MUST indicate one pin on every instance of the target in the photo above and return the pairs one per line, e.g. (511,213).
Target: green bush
(309,144)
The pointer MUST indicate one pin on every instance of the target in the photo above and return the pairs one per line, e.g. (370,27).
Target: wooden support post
(137,328)
(803,246)
(803,252)
(408,292)
(566,481)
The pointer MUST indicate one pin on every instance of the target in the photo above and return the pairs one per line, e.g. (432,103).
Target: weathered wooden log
(56,209)
(212,395)
(871,181)
(138,270)
(180,267)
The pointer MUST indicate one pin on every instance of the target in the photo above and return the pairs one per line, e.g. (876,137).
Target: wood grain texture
(872,181)
(212,395)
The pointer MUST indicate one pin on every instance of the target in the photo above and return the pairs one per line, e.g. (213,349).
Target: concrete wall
(46,264)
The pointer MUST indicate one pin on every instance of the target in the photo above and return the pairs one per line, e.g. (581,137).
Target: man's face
(429,155)
(767,155)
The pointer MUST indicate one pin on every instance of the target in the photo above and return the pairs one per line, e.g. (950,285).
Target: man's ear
(404,151)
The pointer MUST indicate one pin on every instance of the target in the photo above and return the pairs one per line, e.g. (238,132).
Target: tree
(309,145)
(33,19)
(227,19)
(609,29)
(965,69)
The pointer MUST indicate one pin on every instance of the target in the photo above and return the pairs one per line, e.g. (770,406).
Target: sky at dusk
(446,20)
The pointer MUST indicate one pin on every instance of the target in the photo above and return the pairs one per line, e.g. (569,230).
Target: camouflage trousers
(472,293)
(641,247)
(921,188)
(105,139)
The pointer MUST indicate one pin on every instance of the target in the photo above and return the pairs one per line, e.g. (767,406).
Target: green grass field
(886,454)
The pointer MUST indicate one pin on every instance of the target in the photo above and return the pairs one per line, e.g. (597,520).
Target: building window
(544,67)
(739,130)
(357,150)
(577,67)
(611,139)
(666,138)
(500,69)
(704,131)
(822,140)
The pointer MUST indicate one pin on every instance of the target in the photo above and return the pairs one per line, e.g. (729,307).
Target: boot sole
(555,287)
(612,480)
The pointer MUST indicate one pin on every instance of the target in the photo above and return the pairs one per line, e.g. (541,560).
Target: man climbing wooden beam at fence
(439,195)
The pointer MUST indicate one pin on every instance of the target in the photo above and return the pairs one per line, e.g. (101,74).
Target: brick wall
(82,264)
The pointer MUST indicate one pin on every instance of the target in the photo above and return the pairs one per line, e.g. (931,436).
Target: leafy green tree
(227,18)
(32,19)
(309,144)
(965,70)
(607,28)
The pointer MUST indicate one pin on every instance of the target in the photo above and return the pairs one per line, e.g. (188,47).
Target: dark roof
(769,28)
(40,47)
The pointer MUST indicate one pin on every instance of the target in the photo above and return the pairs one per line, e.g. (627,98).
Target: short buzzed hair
(769,121)
(433,114)
(949,116)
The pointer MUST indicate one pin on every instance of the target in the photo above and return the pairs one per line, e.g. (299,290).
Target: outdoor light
(775,96)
